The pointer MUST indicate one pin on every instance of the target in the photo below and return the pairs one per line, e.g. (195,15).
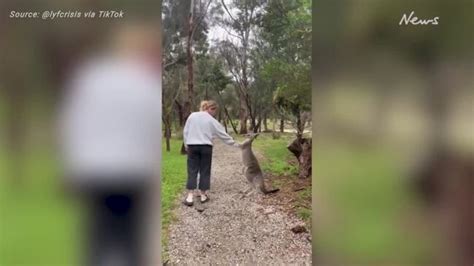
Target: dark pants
(199,161)
(116,218)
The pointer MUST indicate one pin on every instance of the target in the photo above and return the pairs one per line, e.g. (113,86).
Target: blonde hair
(206,105)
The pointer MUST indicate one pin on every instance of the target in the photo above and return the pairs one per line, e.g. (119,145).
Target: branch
(201,18)
(228,12)
(231,34)
(230,66)
(170,63)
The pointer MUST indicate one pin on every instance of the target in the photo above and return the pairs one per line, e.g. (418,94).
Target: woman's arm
(219,131)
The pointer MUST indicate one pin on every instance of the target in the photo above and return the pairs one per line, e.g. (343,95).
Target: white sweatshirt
(111,120)
(201,128)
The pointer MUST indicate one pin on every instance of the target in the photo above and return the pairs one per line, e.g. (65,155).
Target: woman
(199,130)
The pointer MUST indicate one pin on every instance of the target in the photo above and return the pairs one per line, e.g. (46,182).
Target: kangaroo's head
(250,137)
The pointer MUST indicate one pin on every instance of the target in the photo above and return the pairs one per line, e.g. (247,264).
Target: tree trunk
(299,127)
(305,159)
(181,116)
(167,124)
(265,126)
(259,125)
(282,125)
(225,125)
(244,90)
(234,127)
(189,102)
(302,148)
(243,115)
(189,52)
(253,125)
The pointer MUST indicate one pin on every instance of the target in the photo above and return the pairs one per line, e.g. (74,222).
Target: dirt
(236,228)
(288,199)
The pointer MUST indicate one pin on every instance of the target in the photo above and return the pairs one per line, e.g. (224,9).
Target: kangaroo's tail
(265,191)
(261,186)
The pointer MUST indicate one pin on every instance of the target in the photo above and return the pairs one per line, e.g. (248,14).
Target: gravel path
(235,229)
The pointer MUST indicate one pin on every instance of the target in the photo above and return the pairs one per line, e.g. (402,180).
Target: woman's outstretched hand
(237,145)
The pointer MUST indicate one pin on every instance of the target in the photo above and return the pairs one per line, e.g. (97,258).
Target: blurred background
(393,133)
(39,221)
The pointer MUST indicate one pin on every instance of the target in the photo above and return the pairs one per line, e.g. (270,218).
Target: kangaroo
(251,169)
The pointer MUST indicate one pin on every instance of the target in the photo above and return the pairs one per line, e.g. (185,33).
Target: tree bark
(189,52)
(243,115)
(181,116)
(282,125)
(258,125)
(301,149)
(225,124)
(167,124)
(253,125)
(295,148)
(299,126)
(265,125)
(189,102)
(234,127)
(305,159)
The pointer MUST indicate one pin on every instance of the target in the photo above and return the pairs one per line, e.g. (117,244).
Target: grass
(276,155)
(280,162)
(172,183)
(37,224)
(305,214)
(282,166)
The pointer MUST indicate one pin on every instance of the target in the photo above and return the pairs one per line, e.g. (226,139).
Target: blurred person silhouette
(111,141)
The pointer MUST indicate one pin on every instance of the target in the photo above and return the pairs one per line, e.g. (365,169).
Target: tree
(239,20)
(173,88)
(213,84)
(263,86)
(287,26)
(184,25)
